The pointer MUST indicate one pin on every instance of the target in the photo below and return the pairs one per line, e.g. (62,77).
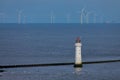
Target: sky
(59,11)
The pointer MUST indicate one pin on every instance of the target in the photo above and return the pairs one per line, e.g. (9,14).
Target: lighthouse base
(78,65)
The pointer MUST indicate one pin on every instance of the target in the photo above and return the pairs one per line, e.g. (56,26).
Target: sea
(55,43)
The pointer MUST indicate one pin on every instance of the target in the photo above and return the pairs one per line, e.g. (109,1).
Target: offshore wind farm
(83,17)
(59,40)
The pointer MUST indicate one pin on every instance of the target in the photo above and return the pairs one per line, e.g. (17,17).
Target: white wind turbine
(95,17)
(24,19)
(68,18)
(52,18)
(19,16)
(82,15)
(87,17)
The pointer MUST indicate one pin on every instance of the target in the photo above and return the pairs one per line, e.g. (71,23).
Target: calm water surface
(48,43)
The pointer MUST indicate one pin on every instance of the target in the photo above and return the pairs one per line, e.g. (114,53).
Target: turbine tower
(87,17)
(24,19)
(82,15)
(94,18)
(68,18)
(19,16)
(52,18)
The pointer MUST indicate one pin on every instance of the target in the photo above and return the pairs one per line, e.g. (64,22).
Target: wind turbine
(52,18)
(68,18)
(94,18)
(87,17)
(24,19)
(19,16)
(82,15)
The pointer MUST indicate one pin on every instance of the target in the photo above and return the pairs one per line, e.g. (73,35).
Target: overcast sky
(40,10)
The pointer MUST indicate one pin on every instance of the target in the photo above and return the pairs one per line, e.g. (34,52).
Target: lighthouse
(78,58)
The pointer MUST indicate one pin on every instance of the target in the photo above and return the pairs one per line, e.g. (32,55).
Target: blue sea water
(49,43)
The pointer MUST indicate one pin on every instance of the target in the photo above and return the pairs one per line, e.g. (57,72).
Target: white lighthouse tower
(78,58)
